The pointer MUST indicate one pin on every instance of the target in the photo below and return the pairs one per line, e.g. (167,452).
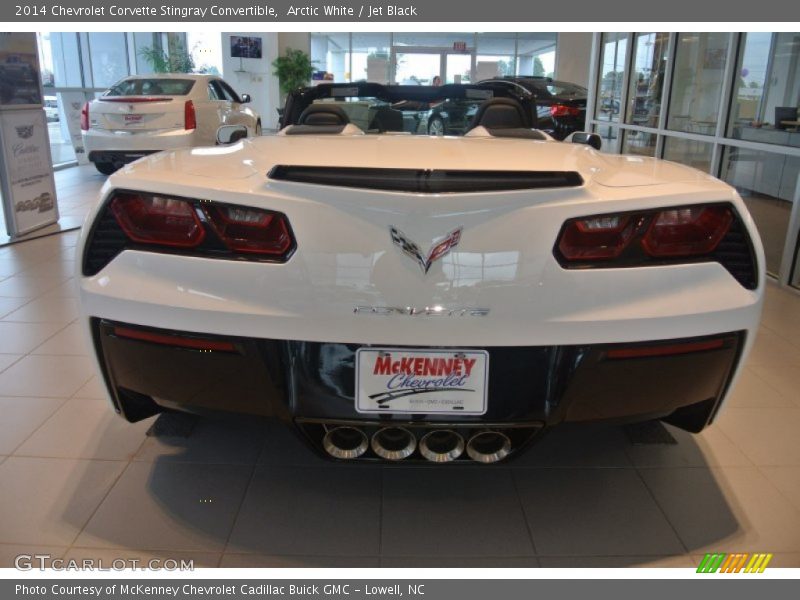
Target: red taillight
(688,231)
(596,238)
(250,230)
(85,117)
(669,233)
(189,116)
(562,110)
(158,220)
(165,339)
(665,349)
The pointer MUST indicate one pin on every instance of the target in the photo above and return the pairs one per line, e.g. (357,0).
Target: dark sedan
(561,106)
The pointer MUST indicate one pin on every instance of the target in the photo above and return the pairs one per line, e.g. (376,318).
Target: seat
(387,119)
(504,117)
(322,114)
(500,113)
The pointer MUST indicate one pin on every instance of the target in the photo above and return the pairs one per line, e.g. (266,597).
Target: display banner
(72,103)
(19,71)
(447,11)
(733,588)
(28,187)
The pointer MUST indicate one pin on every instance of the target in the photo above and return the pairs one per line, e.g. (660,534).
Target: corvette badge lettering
(425,311)
(440,247)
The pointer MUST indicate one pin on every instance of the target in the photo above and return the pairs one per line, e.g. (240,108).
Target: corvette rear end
(419,298)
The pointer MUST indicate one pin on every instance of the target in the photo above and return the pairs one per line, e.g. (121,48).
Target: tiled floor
(77,482)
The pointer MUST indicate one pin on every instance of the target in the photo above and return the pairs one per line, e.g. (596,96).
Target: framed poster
(20,85)
(28,187)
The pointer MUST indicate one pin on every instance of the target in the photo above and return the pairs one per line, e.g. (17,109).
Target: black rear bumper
(118,157)
(681,381)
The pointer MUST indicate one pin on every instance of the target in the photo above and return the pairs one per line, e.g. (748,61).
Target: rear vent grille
(426,181)
(105,241)
(735,253)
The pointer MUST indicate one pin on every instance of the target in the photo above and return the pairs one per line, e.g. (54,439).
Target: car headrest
(501,113)
(323,114)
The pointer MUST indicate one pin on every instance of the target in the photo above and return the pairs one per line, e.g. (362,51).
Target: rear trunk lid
(137,113)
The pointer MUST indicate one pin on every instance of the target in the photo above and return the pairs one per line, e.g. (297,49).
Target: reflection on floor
(76,481)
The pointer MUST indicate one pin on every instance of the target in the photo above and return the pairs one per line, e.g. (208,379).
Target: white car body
(120,130)
(345,258)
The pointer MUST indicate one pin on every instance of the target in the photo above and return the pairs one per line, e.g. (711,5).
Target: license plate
(133,120)
(410,381)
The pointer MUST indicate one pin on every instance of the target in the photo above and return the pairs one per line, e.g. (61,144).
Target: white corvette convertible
(144,114)
(394,296)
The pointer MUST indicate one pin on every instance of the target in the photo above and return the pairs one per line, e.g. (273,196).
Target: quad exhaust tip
(488,447)
(345,442)
(394,443)
(441,445)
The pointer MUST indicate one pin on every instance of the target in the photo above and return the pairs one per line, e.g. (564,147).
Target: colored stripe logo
(719,562)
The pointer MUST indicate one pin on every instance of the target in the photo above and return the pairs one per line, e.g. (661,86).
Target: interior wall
(296,40)
(254,75)
(573,57)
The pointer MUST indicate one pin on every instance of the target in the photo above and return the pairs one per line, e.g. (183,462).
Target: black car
(561,106)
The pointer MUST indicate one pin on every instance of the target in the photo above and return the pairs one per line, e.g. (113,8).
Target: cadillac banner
(29,196)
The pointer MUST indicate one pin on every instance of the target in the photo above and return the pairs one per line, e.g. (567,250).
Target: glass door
(458,68)
(416,68)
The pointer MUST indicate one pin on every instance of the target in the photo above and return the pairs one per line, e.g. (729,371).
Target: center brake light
(205,226)
(668,233)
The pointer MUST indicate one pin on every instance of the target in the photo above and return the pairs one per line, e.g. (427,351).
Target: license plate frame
(452,395)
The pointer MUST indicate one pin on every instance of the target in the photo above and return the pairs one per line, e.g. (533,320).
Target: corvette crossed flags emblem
(440,247)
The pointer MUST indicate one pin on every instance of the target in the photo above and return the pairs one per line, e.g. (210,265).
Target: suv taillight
(711,232)
(85,117)
(189,116)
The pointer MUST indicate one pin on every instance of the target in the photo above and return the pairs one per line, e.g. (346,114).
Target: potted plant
(293,70)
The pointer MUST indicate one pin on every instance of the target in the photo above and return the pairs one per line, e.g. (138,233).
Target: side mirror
(230,134)
(245,98)
(584,137)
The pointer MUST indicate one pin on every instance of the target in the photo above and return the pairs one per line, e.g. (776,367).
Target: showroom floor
(77,482)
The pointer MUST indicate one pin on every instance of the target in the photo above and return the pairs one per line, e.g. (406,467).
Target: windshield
(566,90)
(151,87)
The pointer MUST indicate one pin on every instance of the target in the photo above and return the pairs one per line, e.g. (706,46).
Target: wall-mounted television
(243,46)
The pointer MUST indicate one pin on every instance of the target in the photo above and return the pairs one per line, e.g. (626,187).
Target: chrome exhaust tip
(488,446)
(345,442)
(394,443)
(441,445)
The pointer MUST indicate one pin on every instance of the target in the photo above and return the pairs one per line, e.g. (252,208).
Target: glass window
(766,181)
(609,134)
(59,59)
(330,55)
(639,143)
(766,91)
(647,79)
(151,87)
(536,54)
(612,68)
(688,152)
(108,56)
(370,58)
(697,82)
(497,48)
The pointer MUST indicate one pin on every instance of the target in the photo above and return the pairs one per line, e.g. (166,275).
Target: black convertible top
(401,97)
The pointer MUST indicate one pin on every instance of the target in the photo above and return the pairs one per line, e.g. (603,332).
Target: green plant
(178,61)
(293,70)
